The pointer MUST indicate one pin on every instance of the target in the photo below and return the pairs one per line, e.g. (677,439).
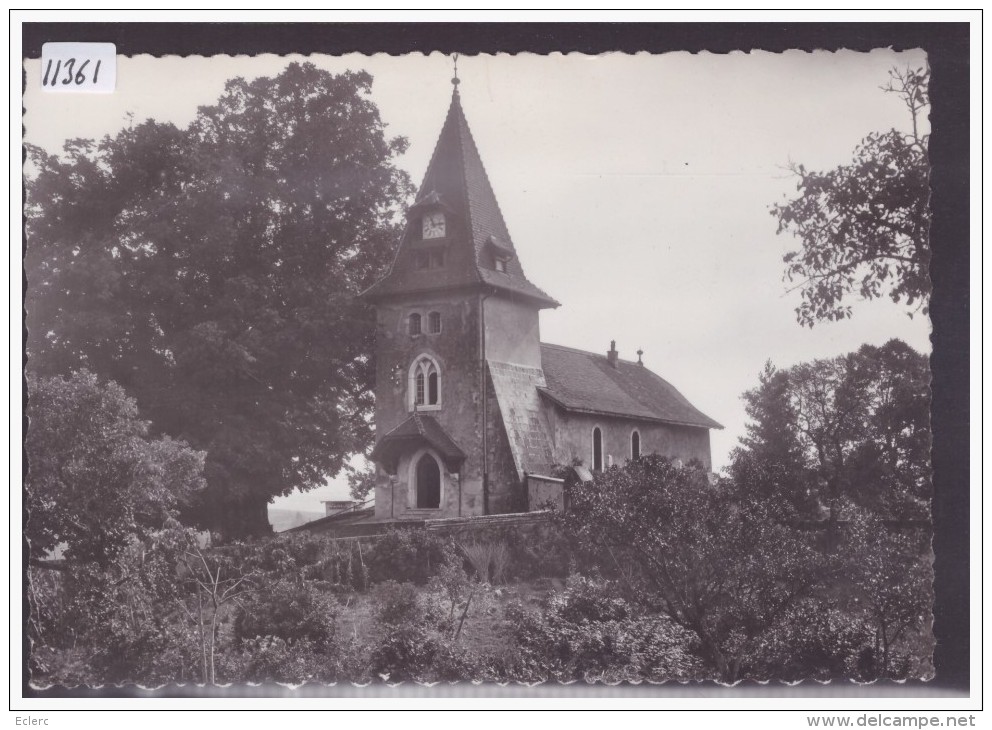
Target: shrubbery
(422,655)
(409,555)
(125,618)
(415,606)
(290,610)
(589,631)
(816,641)
(402,605)
(273,659)
(284,628)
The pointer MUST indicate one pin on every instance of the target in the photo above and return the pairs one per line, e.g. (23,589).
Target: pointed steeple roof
(476,234)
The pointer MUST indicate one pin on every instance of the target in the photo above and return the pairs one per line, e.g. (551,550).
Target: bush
(273,659)
(415,633)
(423,656)
(401,605)
(590,632)
(289,610)
(586,599)
(451,589)
(396,603)
(145,654)
(49,622)
(409,555)
(815,641)
(119,623)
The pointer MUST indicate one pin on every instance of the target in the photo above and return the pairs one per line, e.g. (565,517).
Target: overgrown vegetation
(788,609)
(808,559)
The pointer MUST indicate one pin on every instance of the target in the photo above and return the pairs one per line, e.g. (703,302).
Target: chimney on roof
(613,355)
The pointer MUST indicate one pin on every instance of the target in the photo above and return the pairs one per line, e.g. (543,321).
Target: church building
(471,406)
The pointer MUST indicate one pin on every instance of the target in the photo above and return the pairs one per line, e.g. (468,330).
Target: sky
(636,187)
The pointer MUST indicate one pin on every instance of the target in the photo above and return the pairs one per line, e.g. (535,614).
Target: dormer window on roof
(501,252)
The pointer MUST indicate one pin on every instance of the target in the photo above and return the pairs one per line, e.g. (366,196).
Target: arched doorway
(428,483)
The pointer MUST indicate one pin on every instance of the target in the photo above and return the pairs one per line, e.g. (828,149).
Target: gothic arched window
(597,449)
(428,483)
(434,323)
(414,324)
(432,395)
(425,384)
(635,444)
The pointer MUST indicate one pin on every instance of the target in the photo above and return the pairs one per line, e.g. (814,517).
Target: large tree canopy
(212,272)
(864,227)
(812,555)
(850,430)
(842,445)
(96,480)
(710,556)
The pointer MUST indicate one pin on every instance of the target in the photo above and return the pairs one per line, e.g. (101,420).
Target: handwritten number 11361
(68,73)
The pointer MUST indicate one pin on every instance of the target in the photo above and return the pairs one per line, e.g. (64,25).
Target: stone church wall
(455,349)
(572,434)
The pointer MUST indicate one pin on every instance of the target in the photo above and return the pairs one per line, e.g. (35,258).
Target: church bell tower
(454,300)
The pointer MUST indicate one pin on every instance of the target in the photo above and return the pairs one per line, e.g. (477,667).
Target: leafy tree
(771,456)
(212,272)
(854,427)
(864,227)
(891,573)
(96,481)
(710,557)
(361,482)
(849,438)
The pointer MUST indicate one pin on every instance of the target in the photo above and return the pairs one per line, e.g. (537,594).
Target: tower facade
(454,305)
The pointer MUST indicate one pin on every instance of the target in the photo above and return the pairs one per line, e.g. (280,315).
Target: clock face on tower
(433,225)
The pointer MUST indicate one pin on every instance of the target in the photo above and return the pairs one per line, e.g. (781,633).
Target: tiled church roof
(456,181)
(587,383)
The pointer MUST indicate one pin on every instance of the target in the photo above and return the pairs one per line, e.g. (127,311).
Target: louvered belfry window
(434,323)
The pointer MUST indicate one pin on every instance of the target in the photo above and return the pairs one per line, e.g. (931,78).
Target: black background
(947,46)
